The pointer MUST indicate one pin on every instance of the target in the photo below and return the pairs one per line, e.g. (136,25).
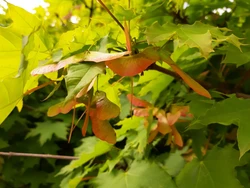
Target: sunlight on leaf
(23,21)
(11,93)
(10,52)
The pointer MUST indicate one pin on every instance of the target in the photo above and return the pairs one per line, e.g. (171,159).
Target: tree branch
(15,154)
(110,13)
(91,9)
(163,70)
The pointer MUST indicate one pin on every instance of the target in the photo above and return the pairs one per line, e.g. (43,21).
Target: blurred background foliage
(67,27)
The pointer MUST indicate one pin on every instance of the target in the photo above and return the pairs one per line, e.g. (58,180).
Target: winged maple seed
(135,64)
(165,121)
(100,111)
(85,56)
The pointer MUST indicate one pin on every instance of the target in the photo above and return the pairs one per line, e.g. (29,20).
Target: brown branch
(242,95)
(15,154)
(163,70)
(91,9)
(110,13)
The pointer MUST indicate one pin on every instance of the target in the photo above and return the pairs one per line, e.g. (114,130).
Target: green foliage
(140,174)
(184,64)
(45,130)
(229,111)
(215,170)
(79,76)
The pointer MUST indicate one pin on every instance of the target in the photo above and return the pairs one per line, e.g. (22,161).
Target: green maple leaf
(90,148)
(128,124)
(235,56)
(3,143)
(47,129)
(154,82)
(183,35)
(197,35)
(10,52)
(216,170)
(38,178)
(74,40)
(23,22)
(124,14)
(61,7)
(229,111)
(11,93)
(140,174)
(80,75)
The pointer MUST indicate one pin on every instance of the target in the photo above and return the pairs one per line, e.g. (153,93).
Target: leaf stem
(132,93)
(73,123)
(110,13)
(16,154)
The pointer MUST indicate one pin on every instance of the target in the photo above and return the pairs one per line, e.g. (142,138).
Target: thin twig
(132,93)
(110,13)
(163,70)
(16,154)
(242,95)
(87,178)
(73,122)
(91,9)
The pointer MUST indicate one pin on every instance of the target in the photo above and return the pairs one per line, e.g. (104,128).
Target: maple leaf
(216,170)
(198,35)
(80,76)
(227,112)
(155,177)
(90,148)
(46,130)
(23,21)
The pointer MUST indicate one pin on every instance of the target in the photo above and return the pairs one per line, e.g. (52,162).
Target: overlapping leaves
(165,121)
(23,23)
(216,170)
(102,111)
(155,177)
(197,35)
(227,112)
